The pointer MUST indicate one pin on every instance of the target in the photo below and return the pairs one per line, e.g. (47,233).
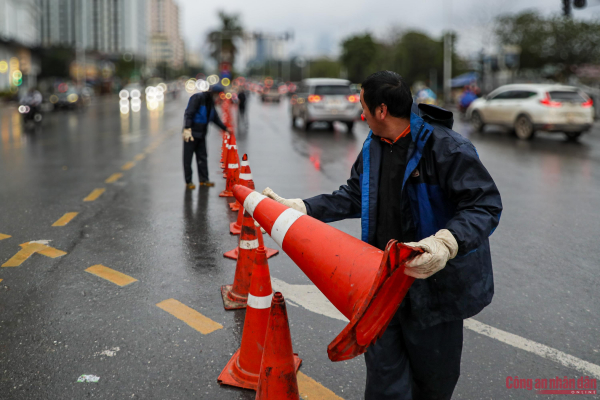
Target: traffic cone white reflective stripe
(232,165)
(283,223)
(245,177)
(249,244)
(259,302)
(252,201)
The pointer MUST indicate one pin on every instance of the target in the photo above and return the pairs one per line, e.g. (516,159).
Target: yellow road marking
(28,249)
(113,178)
(312,390)
(65,219)
(95,194)
(190,316)
(3,236)
(139,157)
(116,277)
(128,166)
(1,280)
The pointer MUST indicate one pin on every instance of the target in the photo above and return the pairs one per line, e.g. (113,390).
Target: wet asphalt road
(56,319)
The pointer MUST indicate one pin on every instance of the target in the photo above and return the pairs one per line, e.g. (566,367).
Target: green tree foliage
(553,40)
(359,56)
(222,41)
(412,54)
(325,68)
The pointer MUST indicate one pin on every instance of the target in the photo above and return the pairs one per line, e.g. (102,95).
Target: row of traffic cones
(265,361)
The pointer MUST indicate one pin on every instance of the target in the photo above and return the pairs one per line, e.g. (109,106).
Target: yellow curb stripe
(95,194)
(65,219)
(116,277)
(113,178)
(3,236)
(190,316)
(139,157)
(128,166)
(313,390)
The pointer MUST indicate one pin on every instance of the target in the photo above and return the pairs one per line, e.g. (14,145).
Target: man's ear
(383,111)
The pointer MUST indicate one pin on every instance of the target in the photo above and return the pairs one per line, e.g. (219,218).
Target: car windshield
(332,89)
(567,96)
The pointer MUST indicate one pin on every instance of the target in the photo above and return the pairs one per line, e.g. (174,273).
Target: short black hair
(387,87)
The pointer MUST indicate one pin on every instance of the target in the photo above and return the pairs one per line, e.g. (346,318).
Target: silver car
(325,100)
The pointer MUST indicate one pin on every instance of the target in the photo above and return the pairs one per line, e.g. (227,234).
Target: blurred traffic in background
(60,56)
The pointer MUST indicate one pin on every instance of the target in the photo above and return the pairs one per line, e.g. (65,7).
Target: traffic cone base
(233,254)
(362,282)
(226,193)
(235,228)
(232,301)
(234,206)
(234,375)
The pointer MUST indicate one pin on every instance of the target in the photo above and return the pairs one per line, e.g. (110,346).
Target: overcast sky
(320,25)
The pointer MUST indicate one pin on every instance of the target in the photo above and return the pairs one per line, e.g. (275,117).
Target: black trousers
(414,364)
(198,147)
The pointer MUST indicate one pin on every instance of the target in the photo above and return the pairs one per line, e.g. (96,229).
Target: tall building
(18,33)
(18,21)
(105,26)
(165,44)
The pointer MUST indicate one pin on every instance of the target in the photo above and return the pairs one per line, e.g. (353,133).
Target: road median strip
(190,316)
(113,178)
(111,275)
(128,166)
(29,249)
(313,390)
(65,219)
(95,194)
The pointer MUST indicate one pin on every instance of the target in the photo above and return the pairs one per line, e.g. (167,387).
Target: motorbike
(31,113)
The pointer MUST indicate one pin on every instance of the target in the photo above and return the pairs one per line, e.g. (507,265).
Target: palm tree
(223,48)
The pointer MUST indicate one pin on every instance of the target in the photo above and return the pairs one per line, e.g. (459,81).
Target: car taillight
(588,103)
(353,98)
(314,98)
(550,103)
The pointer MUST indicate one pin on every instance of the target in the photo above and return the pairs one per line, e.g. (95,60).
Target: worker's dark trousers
(198,146)
(412,364)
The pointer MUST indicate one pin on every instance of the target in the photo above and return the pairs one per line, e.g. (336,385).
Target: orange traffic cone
(235,228)
(233,254)
(245,177)
(365,284)
(243,368)
(235,296)
(224,150)
(232,170)
(277,380)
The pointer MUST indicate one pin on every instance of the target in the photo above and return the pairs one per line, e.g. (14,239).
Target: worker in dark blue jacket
(199,112)
(419,182)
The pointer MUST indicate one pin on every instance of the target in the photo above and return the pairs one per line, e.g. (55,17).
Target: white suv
(530,107)
(325,100)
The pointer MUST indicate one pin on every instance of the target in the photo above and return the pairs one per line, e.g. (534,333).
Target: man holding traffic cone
(419,182)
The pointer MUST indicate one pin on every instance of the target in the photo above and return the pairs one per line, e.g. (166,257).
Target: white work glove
(187,135)
(256,224)
(438,250)
(296,204)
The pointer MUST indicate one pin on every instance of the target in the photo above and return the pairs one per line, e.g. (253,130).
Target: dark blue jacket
(446,186)
(190,115)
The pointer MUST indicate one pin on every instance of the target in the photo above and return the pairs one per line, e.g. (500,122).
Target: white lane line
(586,368)
(311,298)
